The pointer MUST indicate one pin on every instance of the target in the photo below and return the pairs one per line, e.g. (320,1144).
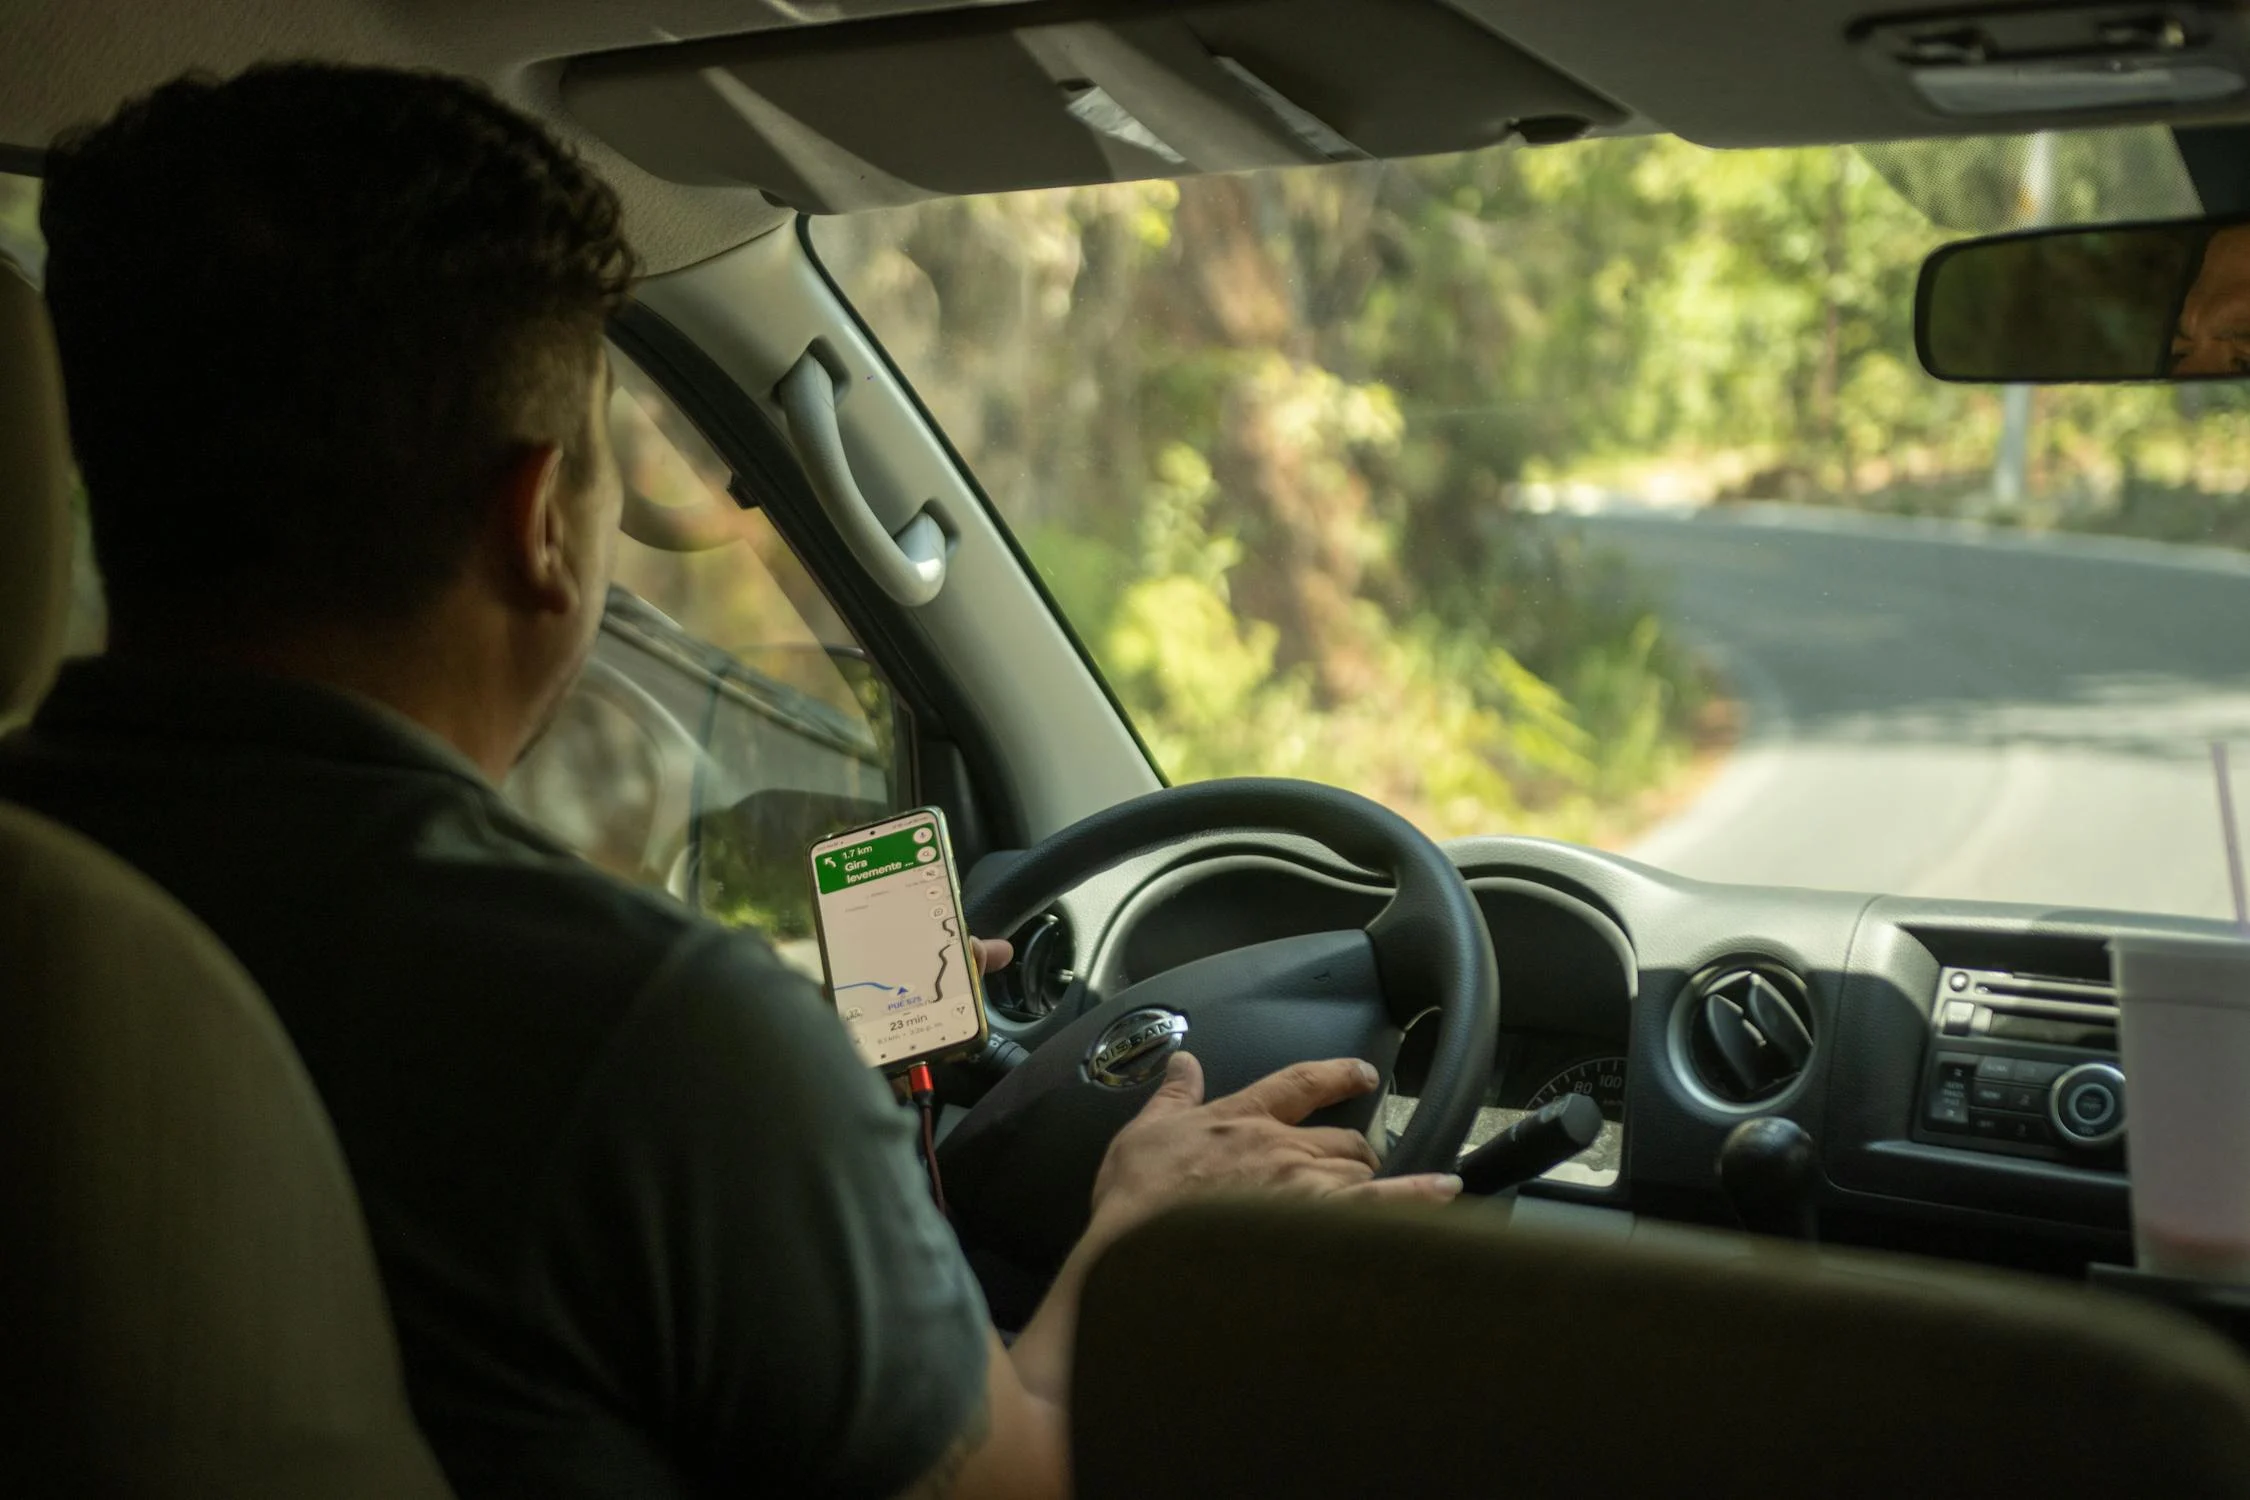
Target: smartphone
(887,907)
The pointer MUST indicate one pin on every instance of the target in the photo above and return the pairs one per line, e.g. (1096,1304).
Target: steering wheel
(1019,1169)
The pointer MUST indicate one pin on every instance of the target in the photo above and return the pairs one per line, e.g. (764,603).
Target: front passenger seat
(189,1299)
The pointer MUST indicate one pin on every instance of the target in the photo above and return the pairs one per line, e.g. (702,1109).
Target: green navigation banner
(848,865)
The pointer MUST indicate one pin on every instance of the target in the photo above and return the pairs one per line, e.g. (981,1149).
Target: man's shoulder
(384,903)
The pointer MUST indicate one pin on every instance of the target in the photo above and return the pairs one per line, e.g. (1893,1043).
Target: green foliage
(1259,436)
(1263,438)
(1275,441)
(743,884)
(19,222)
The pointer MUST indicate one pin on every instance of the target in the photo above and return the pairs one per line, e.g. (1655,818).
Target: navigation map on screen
(890,931)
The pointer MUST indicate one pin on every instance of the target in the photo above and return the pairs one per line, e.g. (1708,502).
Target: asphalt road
(1935,712)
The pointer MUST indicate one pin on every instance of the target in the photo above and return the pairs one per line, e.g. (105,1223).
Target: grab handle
(909,564)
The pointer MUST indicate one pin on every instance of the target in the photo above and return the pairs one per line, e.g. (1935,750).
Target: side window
(727,717)
(21,243)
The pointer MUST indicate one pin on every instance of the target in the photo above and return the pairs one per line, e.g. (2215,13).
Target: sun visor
(866,114)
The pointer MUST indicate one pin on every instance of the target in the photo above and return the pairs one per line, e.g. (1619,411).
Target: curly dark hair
(306,315)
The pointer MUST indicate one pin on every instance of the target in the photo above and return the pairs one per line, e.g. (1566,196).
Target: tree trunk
(1302,507)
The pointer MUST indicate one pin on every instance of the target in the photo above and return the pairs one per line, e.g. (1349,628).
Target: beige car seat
(1256,1350)
(188,1300)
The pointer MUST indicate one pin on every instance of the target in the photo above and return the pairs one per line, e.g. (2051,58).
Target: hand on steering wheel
(1021,1170)
(1252,1140)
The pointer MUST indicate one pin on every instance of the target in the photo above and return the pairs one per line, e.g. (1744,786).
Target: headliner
(72,61)
(1740,73)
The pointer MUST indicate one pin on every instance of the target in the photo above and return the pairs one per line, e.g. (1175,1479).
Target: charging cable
(923,1088)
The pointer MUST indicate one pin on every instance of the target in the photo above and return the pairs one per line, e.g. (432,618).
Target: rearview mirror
(2126,302)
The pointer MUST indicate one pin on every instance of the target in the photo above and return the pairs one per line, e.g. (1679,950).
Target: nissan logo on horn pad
(1133,1049)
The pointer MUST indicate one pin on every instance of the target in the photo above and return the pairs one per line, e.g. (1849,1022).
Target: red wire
(929,1155)
(924,1089)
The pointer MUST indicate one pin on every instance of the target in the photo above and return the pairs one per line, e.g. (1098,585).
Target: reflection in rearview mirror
(2133,302)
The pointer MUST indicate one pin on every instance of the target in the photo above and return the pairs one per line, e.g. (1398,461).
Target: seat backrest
(1254,1350)
(188,1301)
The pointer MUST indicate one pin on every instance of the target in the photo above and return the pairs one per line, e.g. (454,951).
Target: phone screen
(889,915)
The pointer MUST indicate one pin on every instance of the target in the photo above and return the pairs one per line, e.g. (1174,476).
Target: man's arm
(1016,1444)
(739,1246)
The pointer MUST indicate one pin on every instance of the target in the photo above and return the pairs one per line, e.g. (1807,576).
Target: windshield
(1595,492)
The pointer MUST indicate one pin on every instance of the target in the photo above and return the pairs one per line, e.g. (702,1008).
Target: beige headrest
(34,499)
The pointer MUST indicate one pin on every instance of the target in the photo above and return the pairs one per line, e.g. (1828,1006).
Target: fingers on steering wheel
(1299,1089)
(1338,1143)
(1425,1187)
(1323,1176)
(1182,1087)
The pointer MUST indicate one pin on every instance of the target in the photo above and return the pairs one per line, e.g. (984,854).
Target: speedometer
(1601,1079)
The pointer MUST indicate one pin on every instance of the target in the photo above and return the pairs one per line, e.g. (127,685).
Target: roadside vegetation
(1282,444)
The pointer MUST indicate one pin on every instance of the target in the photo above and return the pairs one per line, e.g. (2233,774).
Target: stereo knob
(2087,1105)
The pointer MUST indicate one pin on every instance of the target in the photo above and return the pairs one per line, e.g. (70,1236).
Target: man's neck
(438,678)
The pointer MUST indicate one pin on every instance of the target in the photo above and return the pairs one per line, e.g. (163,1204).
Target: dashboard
(1920,1043)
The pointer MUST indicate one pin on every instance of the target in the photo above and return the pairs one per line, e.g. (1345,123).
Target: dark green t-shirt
(647,1225)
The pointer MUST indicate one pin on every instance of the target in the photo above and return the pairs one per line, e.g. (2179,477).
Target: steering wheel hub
(1133,1049)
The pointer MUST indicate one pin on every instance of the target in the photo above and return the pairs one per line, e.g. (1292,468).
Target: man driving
(332,341)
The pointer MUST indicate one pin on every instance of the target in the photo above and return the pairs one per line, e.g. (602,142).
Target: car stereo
(2024,1065)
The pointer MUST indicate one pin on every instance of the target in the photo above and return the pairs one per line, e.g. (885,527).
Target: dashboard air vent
(1035,984)
(1749,1030)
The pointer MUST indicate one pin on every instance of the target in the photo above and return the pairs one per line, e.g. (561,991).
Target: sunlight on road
(2001,719)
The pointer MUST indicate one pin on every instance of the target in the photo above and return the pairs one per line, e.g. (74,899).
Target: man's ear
(537,546)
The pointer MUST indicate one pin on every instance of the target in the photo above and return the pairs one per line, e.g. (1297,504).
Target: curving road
(1935,710)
